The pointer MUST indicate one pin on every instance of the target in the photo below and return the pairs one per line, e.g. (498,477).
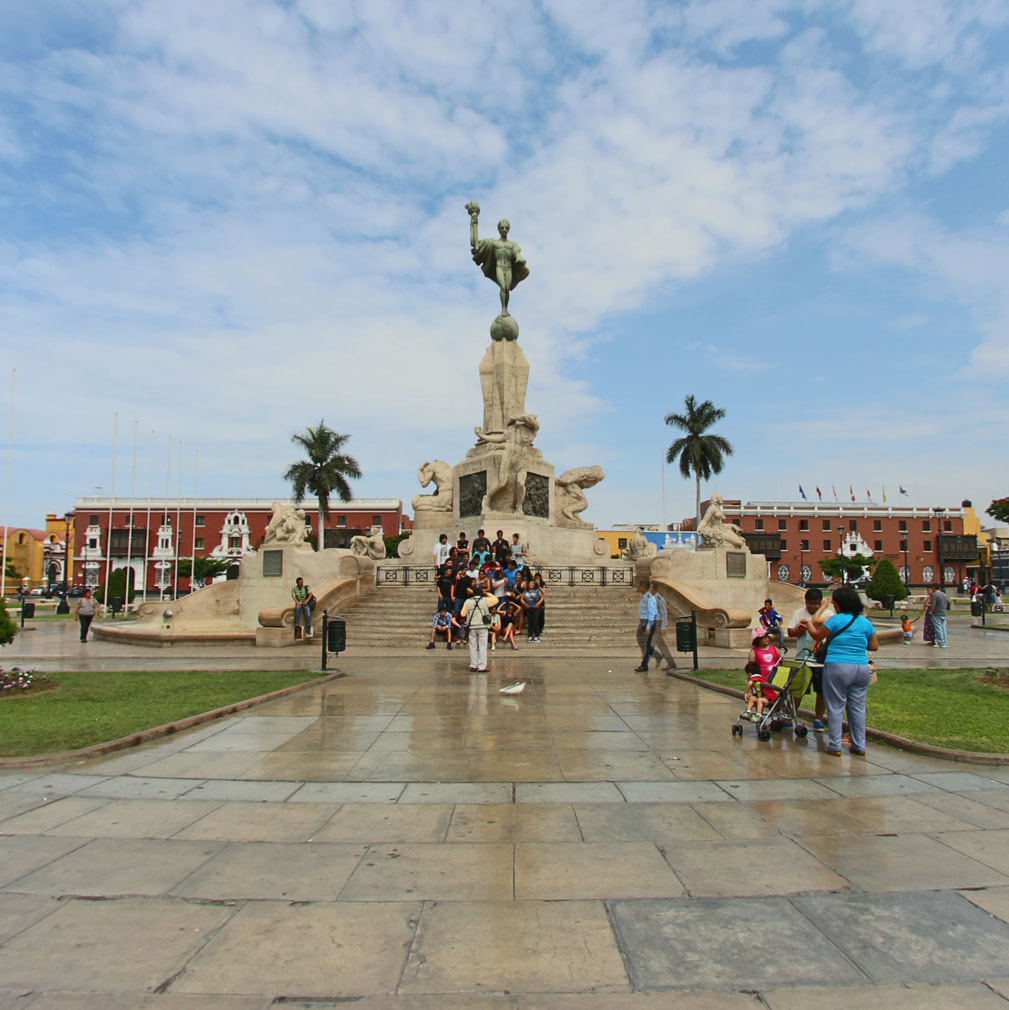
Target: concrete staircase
(576,617)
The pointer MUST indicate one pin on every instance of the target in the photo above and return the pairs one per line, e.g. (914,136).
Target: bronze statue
(499,259)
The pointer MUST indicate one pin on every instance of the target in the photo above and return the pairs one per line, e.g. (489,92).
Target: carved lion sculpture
(639,546)
(371,546)
(441,501)
(569,492)
(716,531)
(287,525)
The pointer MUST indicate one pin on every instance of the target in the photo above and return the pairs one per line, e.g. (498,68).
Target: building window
(622,543)
(877,526)
(903,545)
(902,525)
(201,520)
(947,525)
(784,545)
(804,545)
(235,543)
(826,525)
(826,544)
(926,545)
(804,525)
(782,524)
(853,525)
(94,521)
(199,543)
(926,526)
(341,520)
(877,545)
(376,520)
(758,524)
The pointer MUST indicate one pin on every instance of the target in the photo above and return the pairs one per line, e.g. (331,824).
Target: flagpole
(129,535)
(112,498)
(164,511)
(147,525)
(177,533)
(196,484)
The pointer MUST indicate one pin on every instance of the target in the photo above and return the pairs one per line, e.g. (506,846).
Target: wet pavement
(408,837)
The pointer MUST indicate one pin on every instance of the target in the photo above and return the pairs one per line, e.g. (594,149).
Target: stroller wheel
(737,730)
(763,735)
(801,731)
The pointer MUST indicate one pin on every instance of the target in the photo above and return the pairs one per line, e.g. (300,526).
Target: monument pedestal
(504,376)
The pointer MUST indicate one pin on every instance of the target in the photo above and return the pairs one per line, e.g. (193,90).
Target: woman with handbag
(846,673)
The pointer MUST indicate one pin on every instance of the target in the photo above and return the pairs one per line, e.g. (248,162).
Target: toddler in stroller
(760,667)
(774,689)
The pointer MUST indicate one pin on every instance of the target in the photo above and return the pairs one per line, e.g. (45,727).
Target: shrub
(117,587)
(885,580)
(8,629)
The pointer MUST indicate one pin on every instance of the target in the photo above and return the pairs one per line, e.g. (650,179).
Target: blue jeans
(844,687)
(303,610)
(939,628)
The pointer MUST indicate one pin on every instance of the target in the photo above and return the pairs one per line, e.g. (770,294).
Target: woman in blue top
(845,672)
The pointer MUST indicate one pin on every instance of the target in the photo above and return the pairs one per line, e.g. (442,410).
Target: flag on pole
(801,492)
(851,491)
(834,489)
(884,494)
(868,496)
(819,494)
(902,491)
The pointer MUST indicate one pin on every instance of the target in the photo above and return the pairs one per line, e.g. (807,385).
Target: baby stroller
(787,685)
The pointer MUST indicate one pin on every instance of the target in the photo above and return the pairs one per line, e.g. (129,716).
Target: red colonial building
(150,536)
(794,536)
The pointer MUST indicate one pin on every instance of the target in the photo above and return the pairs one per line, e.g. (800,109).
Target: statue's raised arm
(500,259)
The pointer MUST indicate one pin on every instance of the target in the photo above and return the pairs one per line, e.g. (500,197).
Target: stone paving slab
(144,1001)
(976,996)
(711,943)
(22,855)
(883,935)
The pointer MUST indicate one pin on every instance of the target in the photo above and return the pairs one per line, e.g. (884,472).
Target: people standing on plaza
(846,672)
(498,582)
(446,588)
(938,606)
(462,546)
(518,550)
(442,551)
(463,589)
(500,549)
(773,621)
(648,615)
(659,647)
(927,627)
(304,604)
(480,543)
(87,607)
(532,603)
(538,582)
(798,628)
(476,613)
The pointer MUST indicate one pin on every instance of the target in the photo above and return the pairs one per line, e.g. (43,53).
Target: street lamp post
(939,513)
(802,567)
(907,571)
(63,607)
(844,570)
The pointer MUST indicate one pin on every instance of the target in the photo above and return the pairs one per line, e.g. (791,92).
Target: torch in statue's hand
(474,209)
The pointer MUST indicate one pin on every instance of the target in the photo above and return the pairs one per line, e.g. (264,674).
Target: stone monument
(504,482)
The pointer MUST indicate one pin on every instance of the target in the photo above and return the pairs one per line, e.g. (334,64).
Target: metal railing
(563,575)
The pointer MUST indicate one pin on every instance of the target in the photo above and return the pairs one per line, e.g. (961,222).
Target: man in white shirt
(441,550)
(798,628)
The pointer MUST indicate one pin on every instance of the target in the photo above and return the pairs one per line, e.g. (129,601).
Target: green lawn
(946,708)
(90,708)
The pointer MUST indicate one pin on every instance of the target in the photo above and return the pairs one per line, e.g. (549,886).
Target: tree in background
(853,566)
(117,587)
(999,509)
(206,568)
(697,452)
(324,473)
(885,581)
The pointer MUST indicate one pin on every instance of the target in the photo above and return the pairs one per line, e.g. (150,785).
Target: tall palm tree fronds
(696,452)
(324,473)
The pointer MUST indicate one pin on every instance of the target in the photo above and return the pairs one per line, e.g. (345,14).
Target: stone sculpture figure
(500,259)
(441,501)
(639,546)
(569,493)
(716,531)
(509,491)
(287,525)
(370,546)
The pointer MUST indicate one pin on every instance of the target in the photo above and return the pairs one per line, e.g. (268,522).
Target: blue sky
(226,221)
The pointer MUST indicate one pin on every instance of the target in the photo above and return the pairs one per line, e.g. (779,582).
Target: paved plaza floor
(408,837)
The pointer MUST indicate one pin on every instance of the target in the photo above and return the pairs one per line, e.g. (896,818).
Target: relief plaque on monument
(472,488)
(273,563)
(735,564)
(537,499)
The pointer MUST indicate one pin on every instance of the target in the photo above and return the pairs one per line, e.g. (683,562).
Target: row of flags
(851,492)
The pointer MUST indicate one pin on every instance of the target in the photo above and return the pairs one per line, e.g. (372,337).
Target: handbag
(820,652)
(872,672)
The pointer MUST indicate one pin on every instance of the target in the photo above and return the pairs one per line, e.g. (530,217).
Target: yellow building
(36,555)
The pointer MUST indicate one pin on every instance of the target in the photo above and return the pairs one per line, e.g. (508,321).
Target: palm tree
(699,454)
(324,473)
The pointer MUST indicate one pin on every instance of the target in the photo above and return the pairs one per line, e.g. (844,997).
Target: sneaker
(516,688)
(448,645)
(493,648)
(641,669)
(818,726)
(430,645)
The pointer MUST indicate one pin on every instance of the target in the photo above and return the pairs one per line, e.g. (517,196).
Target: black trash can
(888,603)
(336,634)
(116,603)
(686,639)
(976,608)
(27,611)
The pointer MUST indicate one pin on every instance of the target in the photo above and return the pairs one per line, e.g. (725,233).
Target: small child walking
(907,626)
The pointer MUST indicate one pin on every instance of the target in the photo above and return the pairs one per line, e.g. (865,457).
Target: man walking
(938,606)
(648,614)
(659,648)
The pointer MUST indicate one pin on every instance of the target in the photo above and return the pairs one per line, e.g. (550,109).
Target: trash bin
(888,602)
(336,634)
(686,640)
(27,611)
(976,608)
(116,603)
